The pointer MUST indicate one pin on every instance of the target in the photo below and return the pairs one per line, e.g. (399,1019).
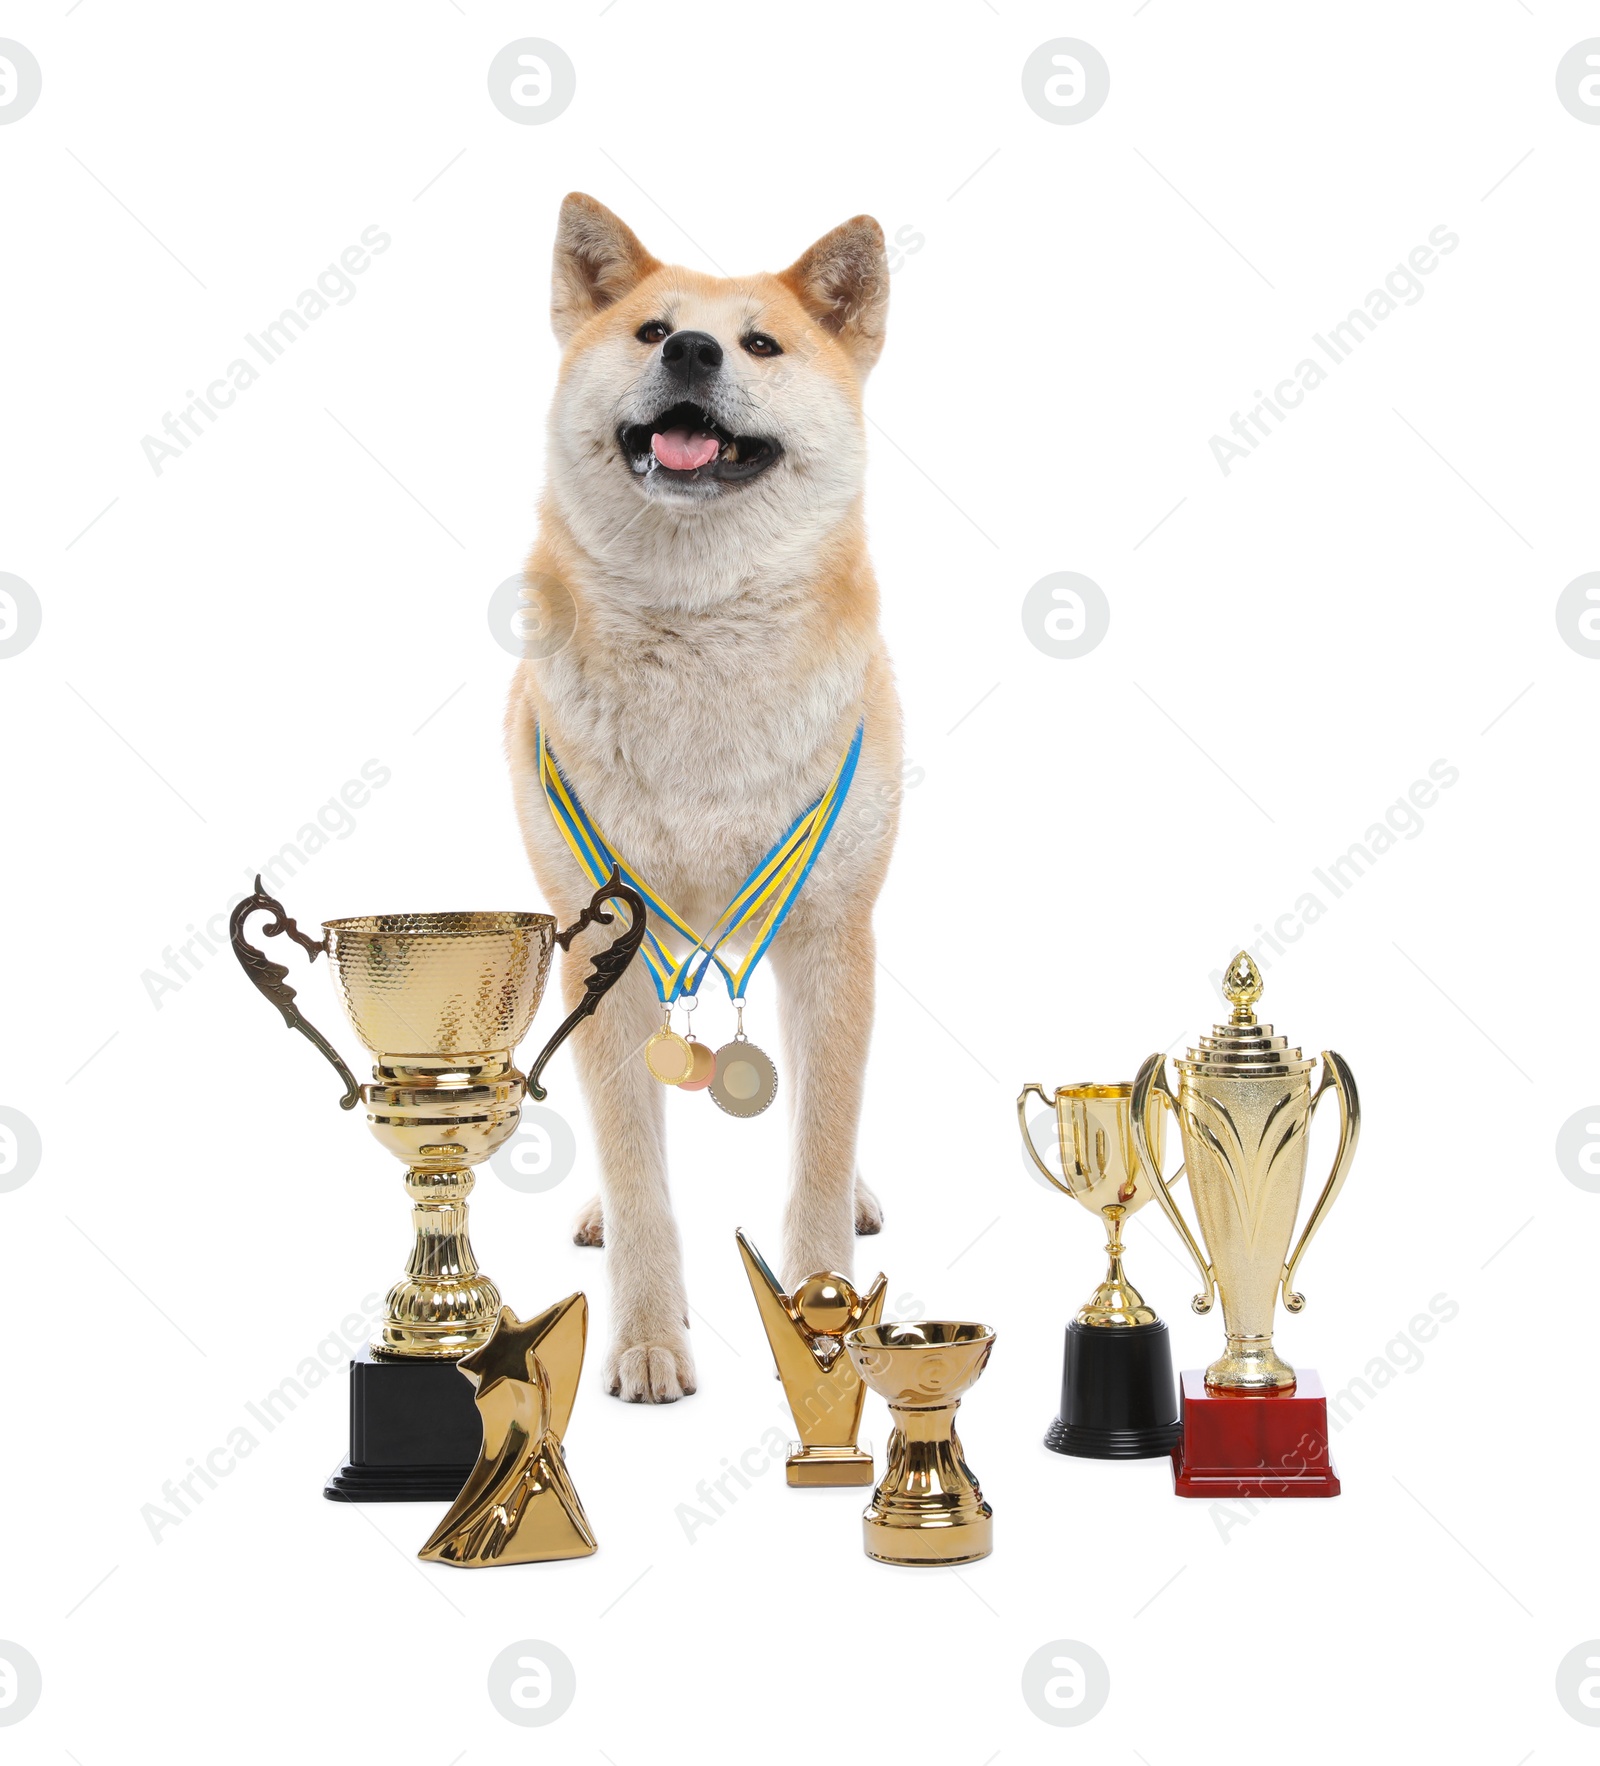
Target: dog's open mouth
(684,443)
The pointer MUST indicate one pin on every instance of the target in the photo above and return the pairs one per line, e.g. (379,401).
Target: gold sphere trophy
(928,1509)
(518,1505)
(825,1394)
(441,1001)
(1251,1425)
(1117,1399)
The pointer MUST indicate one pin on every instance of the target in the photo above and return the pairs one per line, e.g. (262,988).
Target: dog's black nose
(692,356)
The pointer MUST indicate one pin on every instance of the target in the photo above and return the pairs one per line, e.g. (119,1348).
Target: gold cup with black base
(1117,1394)
(441,1001)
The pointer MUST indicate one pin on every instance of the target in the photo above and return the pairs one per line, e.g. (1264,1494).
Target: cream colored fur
(723,643)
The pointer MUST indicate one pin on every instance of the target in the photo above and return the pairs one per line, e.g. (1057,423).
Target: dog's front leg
(648,1359)
(826,971)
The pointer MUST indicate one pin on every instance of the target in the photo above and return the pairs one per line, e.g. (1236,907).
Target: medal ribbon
(762,902)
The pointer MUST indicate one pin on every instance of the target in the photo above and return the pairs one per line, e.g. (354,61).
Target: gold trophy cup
(1099,1168)
(928,1509)
(441,1001)
(1244,1106)
(1117,1397)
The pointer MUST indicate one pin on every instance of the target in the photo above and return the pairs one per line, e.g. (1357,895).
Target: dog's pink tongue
(681,451)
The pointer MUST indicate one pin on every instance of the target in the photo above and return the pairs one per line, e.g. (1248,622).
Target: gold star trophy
(806,1332)
(518,1505)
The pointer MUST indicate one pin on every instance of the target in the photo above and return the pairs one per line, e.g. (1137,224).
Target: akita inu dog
(701,554)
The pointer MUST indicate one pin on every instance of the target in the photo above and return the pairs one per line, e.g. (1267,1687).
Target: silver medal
(745,1081)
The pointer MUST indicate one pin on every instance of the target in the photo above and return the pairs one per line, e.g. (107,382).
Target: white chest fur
(694,739)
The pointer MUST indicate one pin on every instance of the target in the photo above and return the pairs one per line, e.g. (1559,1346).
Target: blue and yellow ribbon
(762,902)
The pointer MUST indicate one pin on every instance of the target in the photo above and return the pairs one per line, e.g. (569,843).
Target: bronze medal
(704,1069)
(745,1081)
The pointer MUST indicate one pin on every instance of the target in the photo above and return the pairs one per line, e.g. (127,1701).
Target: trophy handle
(1027,1139)
(1149,1090)
(605,971)
(1337,1077)
(271,977)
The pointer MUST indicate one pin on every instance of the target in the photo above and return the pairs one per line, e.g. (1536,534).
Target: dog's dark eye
(653,331)
(759,344)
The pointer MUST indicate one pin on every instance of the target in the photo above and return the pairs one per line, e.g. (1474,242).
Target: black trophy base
(1118,1400)
(414,1432)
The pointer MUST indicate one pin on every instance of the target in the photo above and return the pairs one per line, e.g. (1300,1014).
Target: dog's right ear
(597,261)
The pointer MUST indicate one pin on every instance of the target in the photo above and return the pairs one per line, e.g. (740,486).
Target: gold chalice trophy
(1117,1399)
(1252,1426)
(928,1508)
(441,1001)
(806,1332)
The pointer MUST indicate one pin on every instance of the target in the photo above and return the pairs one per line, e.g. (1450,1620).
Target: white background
(1291,646)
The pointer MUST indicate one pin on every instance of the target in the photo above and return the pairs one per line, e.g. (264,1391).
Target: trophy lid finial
(1243,984)
(1242,1048)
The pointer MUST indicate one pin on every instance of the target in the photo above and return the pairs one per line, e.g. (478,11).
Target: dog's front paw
(657,1371)
(869,1211)
(590,1227)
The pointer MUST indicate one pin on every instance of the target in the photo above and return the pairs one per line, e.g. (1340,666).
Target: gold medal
(704,1070)
(669,1057)
(745,1081)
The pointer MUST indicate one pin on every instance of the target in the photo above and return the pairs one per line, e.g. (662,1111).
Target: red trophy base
(1253,1443)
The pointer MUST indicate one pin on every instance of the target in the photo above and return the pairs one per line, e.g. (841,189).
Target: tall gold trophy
(1252,1426)
(1117,1399)
(441,1001)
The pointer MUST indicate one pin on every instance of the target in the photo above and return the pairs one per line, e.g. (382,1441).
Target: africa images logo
(334,286)
(1402,286)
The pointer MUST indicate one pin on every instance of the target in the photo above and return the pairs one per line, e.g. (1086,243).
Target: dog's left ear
(597,261)
(843,282)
